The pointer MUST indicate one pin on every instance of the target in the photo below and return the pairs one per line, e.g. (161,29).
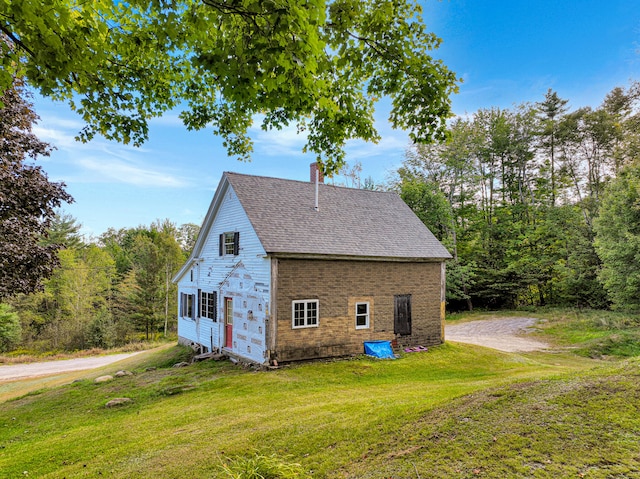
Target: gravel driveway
(506,334)
(30,370)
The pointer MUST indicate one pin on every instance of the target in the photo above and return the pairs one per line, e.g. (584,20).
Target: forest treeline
(104,293)
(539,204)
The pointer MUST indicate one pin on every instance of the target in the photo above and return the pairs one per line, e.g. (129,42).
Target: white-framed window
(230,243)
(305,313)
(209,305)
(187,305)
(362,315)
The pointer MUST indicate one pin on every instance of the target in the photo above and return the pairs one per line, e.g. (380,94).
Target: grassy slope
(585,425)
(14,389)
(355,418)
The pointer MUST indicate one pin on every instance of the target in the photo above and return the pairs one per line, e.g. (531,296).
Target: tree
(65,232)
(27,199)
(187,236)
(319,64)
(429,204)
(617,239)
(550,111)
(77,294)
(10,329)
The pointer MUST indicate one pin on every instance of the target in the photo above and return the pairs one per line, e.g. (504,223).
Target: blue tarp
(379,349)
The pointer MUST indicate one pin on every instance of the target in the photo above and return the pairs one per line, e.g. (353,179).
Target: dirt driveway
(30,370)
(505,334)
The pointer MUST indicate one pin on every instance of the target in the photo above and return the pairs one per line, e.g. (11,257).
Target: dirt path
(507,334)
(30,370)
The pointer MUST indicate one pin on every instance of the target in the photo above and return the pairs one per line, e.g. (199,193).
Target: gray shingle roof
(349,222)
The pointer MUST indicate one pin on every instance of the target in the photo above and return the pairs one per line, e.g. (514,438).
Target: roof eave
(396,259)
(221,189)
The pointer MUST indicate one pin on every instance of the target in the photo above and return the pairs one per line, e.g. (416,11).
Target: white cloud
(101,161)
(286,142)
(60,122)
(168,119)
(56,137)
(390,144)
(113,170)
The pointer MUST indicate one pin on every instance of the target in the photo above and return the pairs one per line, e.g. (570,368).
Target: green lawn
(337,419)
(455,411)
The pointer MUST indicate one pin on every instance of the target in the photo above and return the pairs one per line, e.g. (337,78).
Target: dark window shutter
(215,306)
(236,242)
(221,244)
(200,303)
(182,304)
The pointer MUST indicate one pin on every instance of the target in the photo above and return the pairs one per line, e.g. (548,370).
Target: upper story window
(305,313)
(362,315)
(230,243)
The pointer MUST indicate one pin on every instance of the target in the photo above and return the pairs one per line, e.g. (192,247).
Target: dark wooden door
(402,314)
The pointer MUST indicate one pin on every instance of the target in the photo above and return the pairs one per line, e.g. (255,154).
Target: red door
(228,322)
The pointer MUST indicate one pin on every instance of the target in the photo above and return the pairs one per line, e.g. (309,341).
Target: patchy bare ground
(504,334)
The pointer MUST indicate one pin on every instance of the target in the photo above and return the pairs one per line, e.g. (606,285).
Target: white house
(285,270)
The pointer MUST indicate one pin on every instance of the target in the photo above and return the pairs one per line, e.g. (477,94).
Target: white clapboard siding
(244,277)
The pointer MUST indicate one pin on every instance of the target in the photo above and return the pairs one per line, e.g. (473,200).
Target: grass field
(454,411)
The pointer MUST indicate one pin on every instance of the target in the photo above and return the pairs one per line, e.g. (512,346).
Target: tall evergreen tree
(550,113)
(65,232)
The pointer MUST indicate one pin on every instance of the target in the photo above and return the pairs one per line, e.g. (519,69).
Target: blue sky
(506,52)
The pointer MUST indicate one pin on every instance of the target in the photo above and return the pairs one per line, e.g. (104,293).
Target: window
(228,310)
(362,315)
(209,305)
(229,243)
(305,313)
(187,305)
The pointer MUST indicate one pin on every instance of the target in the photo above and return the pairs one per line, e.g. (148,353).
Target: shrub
(262,467)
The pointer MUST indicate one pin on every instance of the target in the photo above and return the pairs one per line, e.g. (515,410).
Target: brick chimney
(314,167)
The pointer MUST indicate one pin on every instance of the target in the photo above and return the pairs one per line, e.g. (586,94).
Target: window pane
(211,306)
(298,319)
(189,305)
(362,315)
(312,313)
(228,243)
